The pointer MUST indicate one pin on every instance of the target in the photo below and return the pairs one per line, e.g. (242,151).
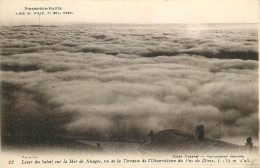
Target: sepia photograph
(174,78)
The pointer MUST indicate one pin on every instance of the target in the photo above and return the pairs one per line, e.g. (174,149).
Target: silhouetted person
(151,136)
(249,144)
(199,132)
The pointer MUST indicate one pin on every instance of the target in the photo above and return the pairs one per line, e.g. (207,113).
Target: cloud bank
(118,82)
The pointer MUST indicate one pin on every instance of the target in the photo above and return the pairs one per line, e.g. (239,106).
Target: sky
(148,12)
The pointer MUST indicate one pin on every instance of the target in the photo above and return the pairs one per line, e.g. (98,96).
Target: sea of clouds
(120,81)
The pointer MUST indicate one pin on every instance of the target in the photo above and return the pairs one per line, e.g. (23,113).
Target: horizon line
(113,23)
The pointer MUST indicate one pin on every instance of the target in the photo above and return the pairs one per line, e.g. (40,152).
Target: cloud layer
(118,82)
